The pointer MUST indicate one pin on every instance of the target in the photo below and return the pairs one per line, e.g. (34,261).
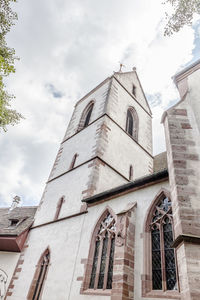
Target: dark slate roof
(160,162)
(25,215)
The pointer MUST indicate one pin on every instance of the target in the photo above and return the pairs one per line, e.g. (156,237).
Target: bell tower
(108,143)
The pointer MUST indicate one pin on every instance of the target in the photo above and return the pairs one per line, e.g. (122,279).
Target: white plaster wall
(63,240)
(99,96)
(118,112)
(128,79)
(82,143)
(122,151)
(69,185)
(8,261)
(69,243)
(108,179)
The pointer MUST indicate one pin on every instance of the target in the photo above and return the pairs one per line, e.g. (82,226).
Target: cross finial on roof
(121,66)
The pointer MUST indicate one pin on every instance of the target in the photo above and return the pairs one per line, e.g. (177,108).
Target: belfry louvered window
(86,116)
(132,123)
(163,257)
(102,266)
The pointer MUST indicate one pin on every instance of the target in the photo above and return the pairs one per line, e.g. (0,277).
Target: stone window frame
(146,277)
(36,275)
(59,206)
(73,161)
(84,115)
(88,267)
(134,115)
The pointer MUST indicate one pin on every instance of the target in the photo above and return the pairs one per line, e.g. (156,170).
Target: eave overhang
(13,243)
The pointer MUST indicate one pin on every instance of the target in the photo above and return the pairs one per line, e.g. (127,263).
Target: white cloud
(72,46)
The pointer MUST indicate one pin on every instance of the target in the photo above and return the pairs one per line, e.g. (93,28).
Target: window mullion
(164,286)
(43,277)
(39,282)
(107,262)
(98,263)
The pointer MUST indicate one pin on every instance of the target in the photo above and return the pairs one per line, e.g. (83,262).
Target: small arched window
(37,285)
(102,249)
(132,123)
(86,115)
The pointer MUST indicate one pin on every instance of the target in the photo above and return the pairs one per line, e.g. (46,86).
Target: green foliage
(7,58)
(184,11)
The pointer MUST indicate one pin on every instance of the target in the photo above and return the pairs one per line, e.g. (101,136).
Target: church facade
(114,221)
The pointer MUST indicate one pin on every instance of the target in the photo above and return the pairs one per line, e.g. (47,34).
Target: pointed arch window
(35,292)
(160,258)
(163,256)
(86,115)
(100,268)
(132,123)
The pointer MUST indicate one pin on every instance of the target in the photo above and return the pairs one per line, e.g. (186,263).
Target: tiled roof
(160,162)
(24,215)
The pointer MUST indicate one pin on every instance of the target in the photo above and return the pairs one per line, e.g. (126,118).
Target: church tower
(108,143)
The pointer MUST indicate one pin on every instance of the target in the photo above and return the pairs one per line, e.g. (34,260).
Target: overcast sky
(66,48)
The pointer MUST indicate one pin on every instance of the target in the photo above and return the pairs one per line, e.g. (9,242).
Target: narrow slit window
(131,172)
(36,288)
(134,90)
(72,165)
(58,209)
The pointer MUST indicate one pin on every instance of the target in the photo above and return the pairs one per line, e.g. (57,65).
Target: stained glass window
(102,267)
(163,256)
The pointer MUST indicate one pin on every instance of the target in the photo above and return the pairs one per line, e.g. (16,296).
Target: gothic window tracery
(102,266)
(163,257)
(132,123)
